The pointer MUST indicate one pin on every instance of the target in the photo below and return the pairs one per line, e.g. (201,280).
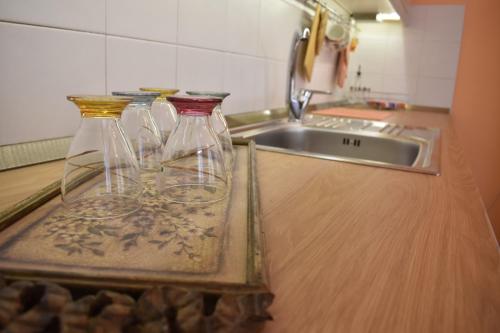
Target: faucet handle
(306,94)
(321,92)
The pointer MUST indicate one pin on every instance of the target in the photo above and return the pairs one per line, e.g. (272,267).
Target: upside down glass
(193,168)
(101,175)
(220,126)
(142,129)
(163,111)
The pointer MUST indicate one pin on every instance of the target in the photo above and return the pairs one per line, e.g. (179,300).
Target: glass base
(194,193)
(103,207)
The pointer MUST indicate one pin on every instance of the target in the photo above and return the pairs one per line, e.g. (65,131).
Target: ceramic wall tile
(84,15)
(276,84)
(278,22)
(243,26)
(444,23)
(324,80)
(261,84)
(199,69)
(154,20)
(132,64)
(202,23)
(426,46)
(370,55)
(373,81)
(402,57)
(400,84)
(440,59)
(415,26)
(40,67)
(239,80)
(435,92)
(372,29)
(237,45)
(324,72)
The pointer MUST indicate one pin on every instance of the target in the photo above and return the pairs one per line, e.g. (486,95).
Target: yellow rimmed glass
(101,174)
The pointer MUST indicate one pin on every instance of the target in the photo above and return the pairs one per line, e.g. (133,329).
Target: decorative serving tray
(213,248)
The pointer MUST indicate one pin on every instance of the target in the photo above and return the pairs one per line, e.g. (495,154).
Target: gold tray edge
(256,274)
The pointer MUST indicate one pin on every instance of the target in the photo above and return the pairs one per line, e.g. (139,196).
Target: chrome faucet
(298,100)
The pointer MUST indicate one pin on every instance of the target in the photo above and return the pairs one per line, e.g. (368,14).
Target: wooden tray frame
(244,307)
(257,276)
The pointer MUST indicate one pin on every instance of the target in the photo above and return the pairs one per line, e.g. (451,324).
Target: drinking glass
(163,111)
(193,168)
(101,175)
(142,129)
(220,126)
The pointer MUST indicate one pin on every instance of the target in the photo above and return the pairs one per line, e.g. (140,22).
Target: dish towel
(342,64)
(323,20)
(311,45)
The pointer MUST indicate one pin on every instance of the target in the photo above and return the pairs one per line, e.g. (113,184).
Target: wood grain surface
(363,249)
(353,248)
(18,184)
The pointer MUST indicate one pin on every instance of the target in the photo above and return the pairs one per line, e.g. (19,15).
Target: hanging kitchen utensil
(323,21)
(311,45)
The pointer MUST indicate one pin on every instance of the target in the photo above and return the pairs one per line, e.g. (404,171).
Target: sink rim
(426,162)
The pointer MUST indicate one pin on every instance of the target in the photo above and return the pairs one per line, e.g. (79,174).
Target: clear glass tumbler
(163,111)
(142,129)
(193,168)
(220,126)
(101,175)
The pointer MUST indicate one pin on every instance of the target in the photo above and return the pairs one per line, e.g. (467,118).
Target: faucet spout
(294,103)
(298,101)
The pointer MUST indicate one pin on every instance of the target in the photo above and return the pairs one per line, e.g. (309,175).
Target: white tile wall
(203,23)
(417,62)
(261,90)
(241,46)
(399,84)
(146,19)
(444,23)
(440,59)
(402,56)
(85,15)
(278,22)
(39,67)
(276,83)
(237,45)
(370,54)
(199,69)
(133,63)
(242,30)
(239,79)
(436,92)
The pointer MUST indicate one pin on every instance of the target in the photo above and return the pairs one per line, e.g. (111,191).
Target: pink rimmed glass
(193,168)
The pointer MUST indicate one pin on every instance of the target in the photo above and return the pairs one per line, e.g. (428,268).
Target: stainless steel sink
(351,140)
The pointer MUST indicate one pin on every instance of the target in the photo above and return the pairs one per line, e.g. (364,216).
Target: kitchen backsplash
(52,48)
(416,62)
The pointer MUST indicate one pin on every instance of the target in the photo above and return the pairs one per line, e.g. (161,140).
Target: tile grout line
(175,44)
(52,27)
(176,83)
(106,46)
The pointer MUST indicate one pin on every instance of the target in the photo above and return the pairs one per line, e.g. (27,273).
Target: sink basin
(380,149)
(352,140)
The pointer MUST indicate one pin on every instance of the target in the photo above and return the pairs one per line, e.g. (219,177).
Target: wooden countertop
(362,249)
(18,184)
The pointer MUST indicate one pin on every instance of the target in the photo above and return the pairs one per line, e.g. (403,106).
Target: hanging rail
(338,17)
